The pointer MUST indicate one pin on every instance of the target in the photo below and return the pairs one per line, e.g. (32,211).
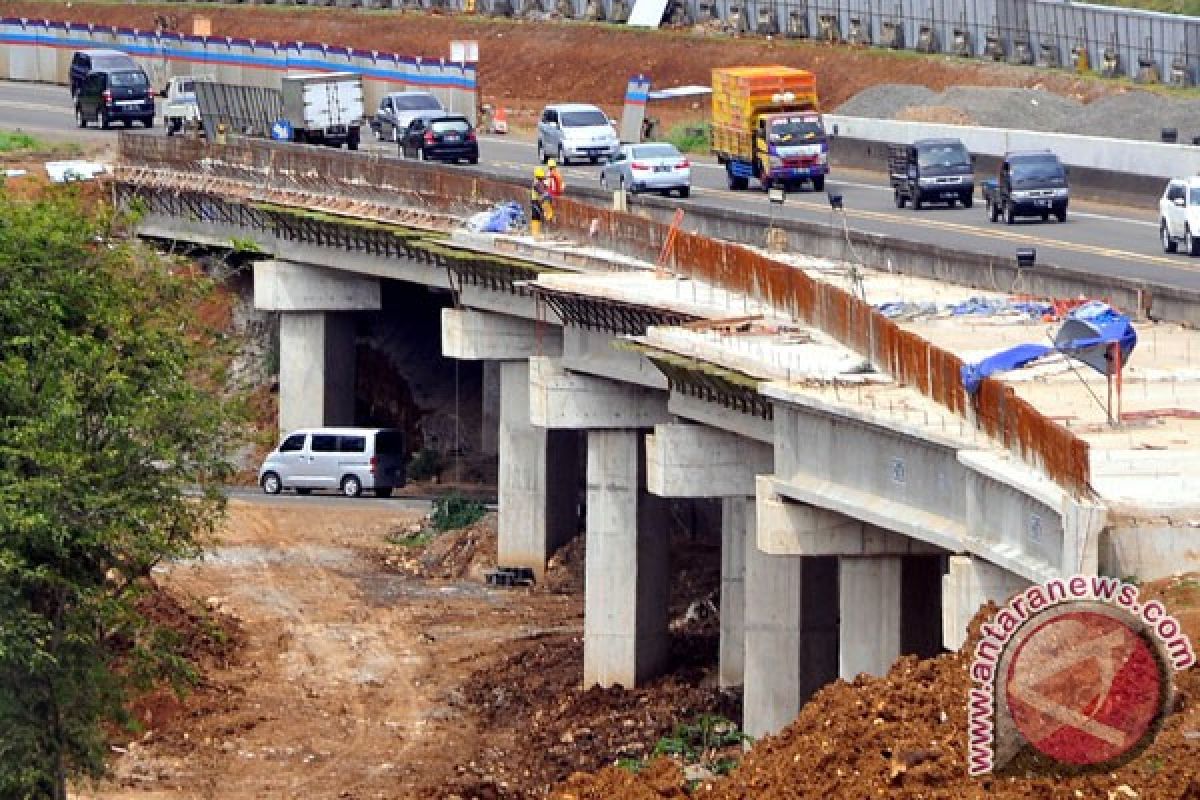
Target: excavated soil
(904,736)
(524,65)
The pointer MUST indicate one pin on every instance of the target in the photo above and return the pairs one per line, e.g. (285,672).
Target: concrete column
(869,601)
(627,577)
(968,585)
(731,660)
(790,631)
(489,438)
(316,369)
(538,479)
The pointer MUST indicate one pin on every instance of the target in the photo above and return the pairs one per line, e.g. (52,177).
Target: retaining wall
(41,50)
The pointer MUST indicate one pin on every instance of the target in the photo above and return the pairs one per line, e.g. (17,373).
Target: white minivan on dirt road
(349,460)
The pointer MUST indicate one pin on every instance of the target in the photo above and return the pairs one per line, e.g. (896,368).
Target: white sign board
(464,51)
(647,13)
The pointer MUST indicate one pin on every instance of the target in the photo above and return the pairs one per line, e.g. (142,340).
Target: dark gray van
(348,460)
(118,96)
(85,61)
(931,171)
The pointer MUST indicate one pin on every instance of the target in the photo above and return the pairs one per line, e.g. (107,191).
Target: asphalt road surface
(1101,239)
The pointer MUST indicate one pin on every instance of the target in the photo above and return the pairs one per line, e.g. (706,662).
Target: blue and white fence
(40,50)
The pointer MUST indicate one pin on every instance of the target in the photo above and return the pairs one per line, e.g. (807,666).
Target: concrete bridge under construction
(869,506)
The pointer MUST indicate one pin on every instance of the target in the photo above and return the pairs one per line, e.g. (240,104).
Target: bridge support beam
(627,582)
(731,658)
(316,338)
(869,603)
(791,633)
(968,585)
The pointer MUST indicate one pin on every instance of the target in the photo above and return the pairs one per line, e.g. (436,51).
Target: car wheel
(625,188)
(80,119)
(541,152)
(993,211)
(128,123)
(967,200)
(384,492)
(1061,215)
(104,120)
(1045,216)
(1009,216)
(603,179)
(819,183)
(562,156)
(1191,245)
(685,192)
(898,198)
(1164,236)
(473,160)
(271,484)
(351,486)
(304,492)
(916,202)
(148,122)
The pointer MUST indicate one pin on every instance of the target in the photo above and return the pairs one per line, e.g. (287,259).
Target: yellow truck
(767,125)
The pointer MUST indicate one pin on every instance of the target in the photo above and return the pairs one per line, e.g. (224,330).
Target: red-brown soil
(904,736)
(524,65)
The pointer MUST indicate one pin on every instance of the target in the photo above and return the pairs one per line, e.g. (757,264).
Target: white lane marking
(36,107)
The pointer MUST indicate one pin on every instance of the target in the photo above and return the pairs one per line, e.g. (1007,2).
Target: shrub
(454,512)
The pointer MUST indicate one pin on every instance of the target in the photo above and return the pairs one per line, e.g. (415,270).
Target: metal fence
(1039,440)
(1051,33)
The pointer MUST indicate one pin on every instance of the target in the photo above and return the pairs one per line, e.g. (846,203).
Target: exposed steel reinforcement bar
(1034,437)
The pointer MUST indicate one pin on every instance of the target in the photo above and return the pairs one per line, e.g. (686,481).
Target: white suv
(1179,216)
(576,130)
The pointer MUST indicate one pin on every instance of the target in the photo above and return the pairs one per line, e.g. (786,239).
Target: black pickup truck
(1031,183)
(931,171)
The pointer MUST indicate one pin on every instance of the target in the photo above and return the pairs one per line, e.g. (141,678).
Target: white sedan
(648,167)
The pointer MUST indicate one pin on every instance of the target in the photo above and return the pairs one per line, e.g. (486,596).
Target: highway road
(1101,239)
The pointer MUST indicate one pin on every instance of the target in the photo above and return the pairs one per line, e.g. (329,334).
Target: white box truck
(325,108)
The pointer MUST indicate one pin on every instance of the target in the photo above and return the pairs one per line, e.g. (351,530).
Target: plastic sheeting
(502,218)
(1087,334)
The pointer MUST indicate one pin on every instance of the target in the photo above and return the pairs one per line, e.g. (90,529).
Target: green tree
(111,416)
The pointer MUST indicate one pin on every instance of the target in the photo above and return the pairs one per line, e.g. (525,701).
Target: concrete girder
(484,336)
(699,461)
(288,286)
(790,527)
(561,399)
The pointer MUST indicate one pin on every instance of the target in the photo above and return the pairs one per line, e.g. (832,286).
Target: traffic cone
(500,120)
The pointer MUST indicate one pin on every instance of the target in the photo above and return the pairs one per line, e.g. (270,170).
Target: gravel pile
(1131,115)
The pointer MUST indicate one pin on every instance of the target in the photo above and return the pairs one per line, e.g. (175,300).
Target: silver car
(347,460)
(398,109)
(649,167)
(576,130)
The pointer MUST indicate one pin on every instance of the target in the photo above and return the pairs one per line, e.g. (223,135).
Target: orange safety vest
(555,182)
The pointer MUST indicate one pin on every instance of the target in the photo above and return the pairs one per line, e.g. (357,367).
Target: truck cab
(791,148)
(180,109)
(1031,183)
(931,171)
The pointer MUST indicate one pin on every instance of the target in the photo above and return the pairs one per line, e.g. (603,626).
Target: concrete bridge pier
(316,338)
(627,578)
(698,461)
(538,478)
(969,584)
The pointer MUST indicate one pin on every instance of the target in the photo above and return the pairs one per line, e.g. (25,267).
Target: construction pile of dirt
(465,553)
(542,726)
(565,569)
(904,735)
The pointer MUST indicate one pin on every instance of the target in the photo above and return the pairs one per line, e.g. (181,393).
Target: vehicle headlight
(926,181)
(1061,192)
(1020,195)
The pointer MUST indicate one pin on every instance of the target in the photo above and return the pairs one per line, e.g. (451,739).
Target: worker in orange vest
(554,179)
(541,202)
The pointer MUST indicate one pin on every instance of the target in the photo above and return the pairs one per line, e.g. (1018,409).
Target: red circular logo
(1084,688)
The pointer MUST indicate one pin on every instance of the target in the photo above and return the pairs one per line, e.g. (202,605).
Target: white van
(348,460)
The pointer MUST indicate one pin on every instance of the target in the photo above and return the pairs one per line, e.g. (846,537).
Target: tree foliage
(110,419)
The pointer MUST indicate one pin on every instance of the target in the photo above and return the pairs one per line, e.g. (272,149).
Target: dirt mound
(565,569)
(466,553)
(944,115)
(543,727)
(904,735)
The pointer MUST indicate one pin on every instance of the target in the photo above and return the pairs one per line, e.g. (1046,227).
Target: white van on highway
(349,460)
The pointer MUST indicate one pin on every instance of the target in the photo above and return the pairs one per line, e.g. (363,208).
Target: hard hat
(551,163)
(540,172)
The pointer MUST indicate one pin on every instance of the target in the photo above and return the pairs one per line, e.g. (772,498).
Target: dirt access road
(344,675)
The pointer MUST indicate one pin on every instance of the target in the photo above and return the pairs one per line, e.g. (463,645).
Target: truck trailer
(325,109)
(767,126)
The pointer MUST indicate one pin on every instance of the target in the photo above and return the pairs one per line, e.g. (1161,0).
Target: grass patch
(418,539)
(691,136)
(13,141)
(454,512)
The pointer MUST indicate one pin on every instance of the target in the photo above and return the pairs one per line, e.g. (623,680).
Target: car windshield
(133,80)
(187,87)
(583,119)
(656,151)
(943,155)
(1036,168)
(109,62)
(416,102)
(795,129)
(451,126)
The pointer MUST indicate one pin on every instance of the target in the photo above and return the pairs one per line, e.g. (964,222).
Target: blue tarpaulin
(1087,334)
